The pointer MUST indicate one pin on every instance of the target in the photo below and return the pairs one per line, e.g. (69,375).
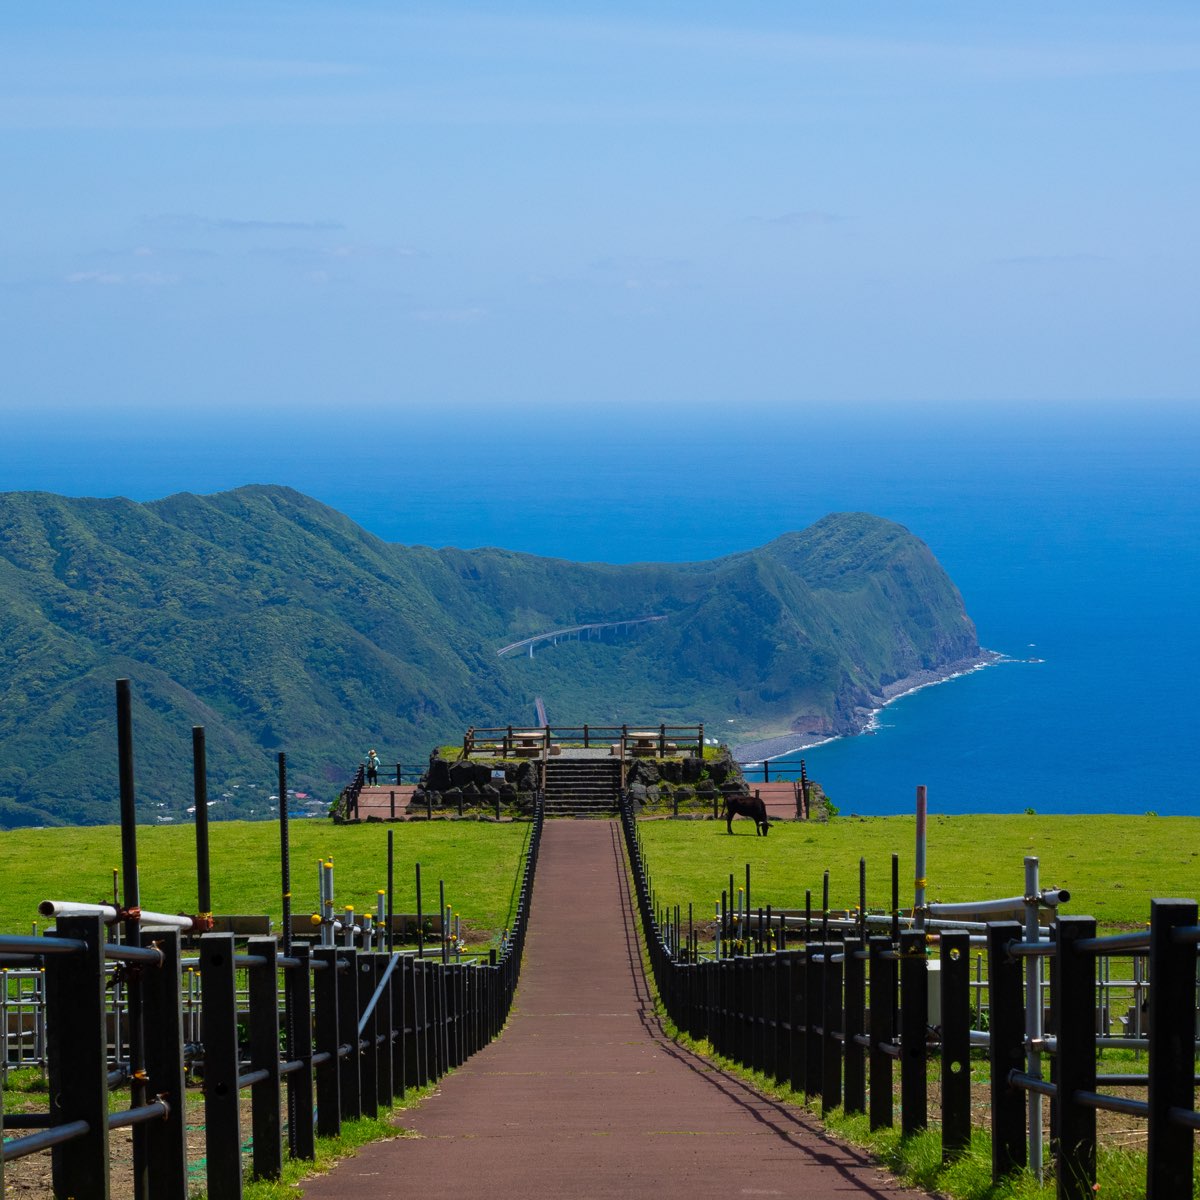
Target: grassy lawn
(1112,865)
(477,860)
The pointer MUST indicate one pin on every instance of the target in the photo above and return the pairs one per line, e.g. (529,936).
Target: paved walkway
(583,1096)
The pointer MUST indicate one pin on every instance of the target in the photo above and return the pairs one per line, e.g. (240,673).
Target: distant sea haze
(1075,544)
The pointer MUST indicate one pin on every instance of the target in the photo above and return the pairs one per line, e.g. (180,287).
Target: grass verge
(477,860)
(1113,865)
(917,1159)
(331,1151)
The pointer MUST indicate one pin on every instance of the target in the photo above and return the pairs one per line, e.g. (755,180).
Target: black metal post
(956,1043)
(1172,1017)
(297,984)
(914,1018)
(290,1033)
(200,798)
(222,1131)
(896,899)
(814,1004)
(443,921)
(129,867)
(883,1018)
(862,899)
(167,1142)
(391,934)
(855,972)
(797,1020)
(1006,1026)
(350,1058)
(325,1000)
(420,919)
(78,1062)
(1074,980)
(285,856)
(832,1024)
(263,1022)
(368,1033)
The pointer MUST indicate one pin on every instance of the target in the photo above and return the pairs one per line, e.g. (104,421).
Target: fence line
(357,1029)
(834,1017)
(533,741)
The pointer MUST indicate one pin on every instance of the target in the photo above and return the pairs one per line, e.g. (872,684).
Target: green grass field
(1112,865)
(477,860)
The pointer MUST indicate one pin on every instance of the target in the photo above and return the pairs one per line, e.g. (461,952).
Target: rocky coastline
(862,718)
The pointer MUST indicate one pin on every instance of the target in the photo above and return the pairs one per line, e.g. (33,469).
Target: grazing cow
(747,806)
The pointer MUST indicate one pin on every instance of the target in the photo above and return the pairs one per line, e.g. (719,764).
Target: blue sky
(320,208)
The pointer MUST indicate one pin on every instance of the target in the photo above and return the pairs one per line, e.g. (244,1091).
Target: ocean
(1073,536)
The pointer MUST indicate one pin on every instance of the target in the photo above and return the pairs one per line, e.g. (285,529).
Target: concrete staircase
(582,787)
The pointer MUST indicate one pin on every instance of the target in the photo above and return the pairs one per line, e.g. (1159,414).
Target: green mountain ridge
(279,624)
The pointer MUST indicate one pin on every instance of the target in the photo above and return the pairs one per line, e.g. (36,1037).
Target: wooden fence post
(222,1127)
(1006,1025)
(383,1029)
(349,1081)
(263,985)
(883,1032)
(914,1020)
(297,987)
(956,1043)
(399,1040)
(77,1047)
(405,1074)
(369,1064)
(814,993)
(166,1143)
(832,1024)
(1074,980)
(1172,1024)
(783,1016)
(855,970)
(325,998)
(420,1020)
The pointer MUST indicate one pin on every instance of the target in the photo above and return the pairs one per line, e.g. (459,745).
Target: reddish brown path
(583,1096)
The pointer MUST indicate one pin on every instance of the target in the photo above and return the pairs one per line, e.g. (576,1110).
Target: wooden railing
(531,741)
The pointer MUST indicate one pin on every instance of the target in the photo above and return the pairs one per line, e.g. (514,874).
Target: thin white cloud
(121,278)
(449,316)
(798,218)
(198,222)
(1042,260)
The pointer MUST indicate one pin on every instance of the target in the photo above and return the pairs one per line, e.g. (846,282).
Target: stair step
(582,787)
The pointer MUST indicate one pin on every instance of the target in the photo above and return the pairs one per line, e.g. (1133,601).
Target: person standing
(372,768)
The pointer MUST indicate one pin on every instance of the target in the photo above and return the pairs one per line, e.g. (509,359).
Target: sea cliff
(279,624)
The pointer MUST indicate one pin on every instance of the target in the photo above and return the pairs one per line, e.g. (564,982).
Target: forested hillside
(278,623)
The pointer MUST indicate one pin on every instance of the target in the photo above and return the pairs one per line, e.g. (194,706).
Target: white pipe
(1014,904)
(69,908)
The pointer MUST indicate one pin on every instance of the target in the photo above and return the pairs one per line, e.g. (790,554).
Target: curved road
(583,1096)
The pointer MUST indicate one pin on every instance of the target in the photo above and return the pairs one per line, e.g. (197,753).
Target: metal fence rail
(357,1028)
(836,1013)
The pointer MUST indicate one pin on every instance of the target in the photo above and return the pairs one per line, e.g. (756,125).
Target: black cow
(747,806)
